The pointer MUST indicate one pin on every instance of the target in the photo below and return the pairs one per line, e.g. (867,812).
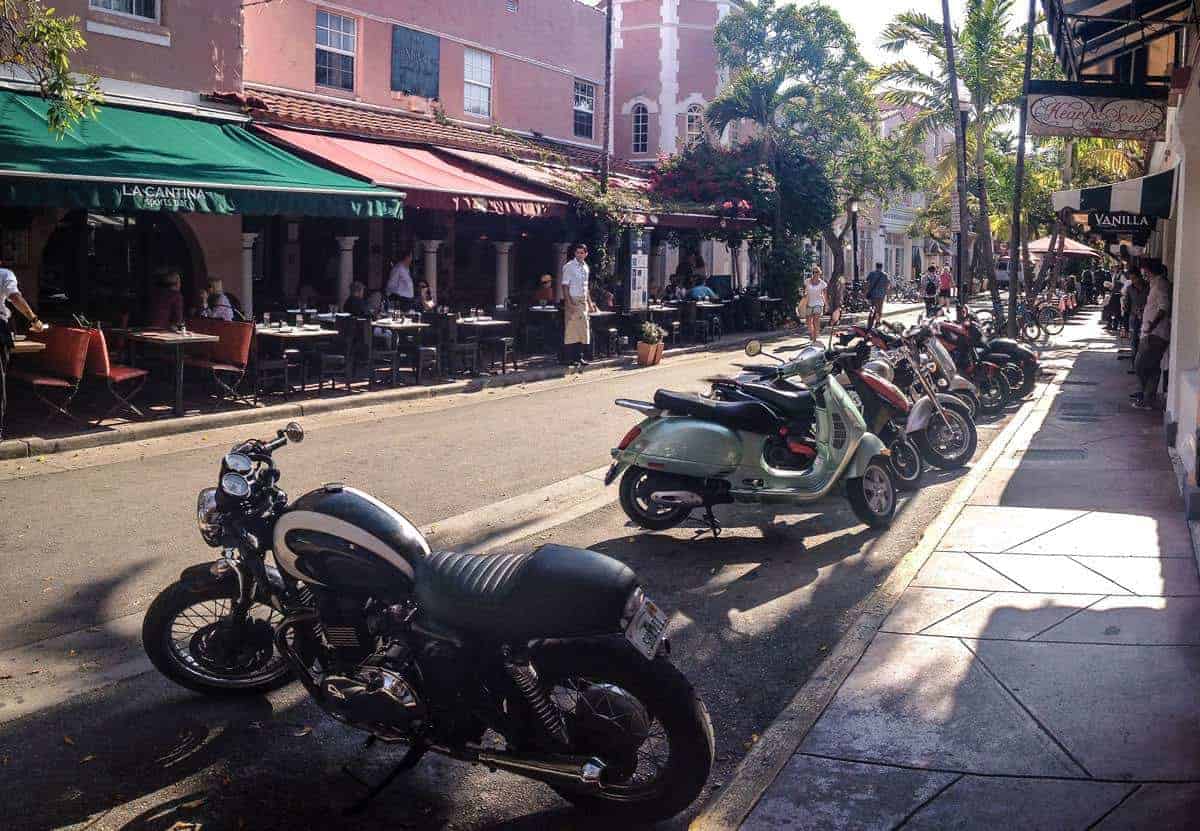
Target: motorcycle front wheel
(1015,373)
(642,718)
(994,393)
(637,485)
(948,443)
(905,462)
(873,495)
(970,399)
(188,636)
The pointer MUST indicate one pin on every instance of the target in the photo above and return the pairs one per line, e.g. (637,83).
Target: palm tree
(988,54)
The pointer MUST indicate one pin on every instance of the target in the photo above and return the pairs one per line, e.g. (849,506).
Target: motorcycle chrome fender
(960,384)
(682,446)
(869,446)
(924,410)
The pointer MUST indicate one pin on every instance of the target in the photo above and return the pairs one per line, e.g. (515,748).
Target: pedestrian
(877,288)
(164,309)
(815,290)
(10,293)
(834,297)
(216,302)
(945,283)
(1136,294)
(1156,337)
(356,303)
(577,304)
(930,290)
(399,288)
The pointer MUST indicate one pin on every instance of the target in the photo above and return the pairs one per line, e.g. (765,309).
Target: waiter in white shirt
(10,292)
(399,289)
(577,303)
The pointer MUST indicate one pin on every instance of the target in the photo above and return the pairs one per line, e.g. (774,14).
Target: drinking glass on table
(266,318)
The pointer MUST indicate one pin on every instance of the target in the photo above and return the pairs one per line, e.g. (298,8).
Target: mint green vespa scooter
(759,439)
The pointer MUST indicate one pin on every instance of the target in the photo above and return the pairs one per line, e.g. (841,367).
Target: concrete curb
(758,769)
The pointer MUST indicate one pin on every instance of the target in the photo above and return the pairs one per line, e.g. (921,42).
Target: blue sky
(868,17)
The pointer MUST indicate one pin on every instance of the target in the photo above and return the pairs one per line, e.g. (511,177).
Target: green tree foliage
(36,39)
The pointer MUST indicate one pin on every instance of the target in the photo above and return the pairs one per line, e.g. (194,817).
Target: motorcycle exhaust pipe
(677,499)
(553,770)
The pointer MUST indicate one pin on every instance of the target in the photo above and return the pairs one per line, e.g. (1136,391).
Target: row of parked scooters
(869,413)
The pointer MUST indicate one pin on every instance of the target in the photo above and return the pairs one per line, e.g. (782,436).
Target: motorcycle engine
(375,695)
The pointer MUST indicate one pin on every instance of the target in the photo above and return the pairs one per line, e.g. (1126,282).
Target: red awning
(430,180)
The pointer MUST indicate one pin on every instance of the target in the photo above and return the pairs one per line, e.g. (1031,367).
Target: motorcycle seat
(751,416)
(551,592)
(795,404)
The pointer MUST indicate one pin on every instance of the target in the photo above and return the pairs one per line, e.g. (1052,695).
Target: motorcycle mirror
(753,348)
(294,432)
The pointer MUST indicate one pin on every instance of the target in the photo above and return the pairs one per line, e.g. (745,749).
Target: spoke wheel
(948,442)
(1051,320)
(905,460)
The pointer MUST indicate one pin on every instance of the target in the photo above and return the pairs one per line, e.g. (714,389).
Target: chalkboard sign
(415,61)
(639,269)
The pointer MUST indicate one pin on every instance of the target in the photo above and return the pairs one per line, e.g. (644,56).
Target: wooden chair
(228,358)
(270,370)
(695,325)
(376,353)
(457,355)
(55,373)
(123,382)
(335,359)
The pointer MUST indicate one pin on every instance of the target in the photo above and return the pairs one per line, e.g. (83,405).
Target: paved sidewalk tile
(1160,807)
(958,570)
(1101,534)
(819,794)
(988,528)
(1028,804)
(1012,615)
(1052,574)
(921,607)
(1125,712)
(1142,575)
(1138,620)
(925,702)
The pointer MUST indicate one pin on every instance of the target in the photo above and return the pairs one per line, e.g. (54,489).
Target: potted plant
(650,344)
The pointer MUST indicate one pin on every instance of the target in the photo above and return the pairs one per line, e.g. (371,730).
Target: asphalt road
(97,535)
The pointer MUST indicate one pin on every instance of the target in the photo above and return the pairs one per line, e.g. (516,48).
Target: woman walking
(814,292)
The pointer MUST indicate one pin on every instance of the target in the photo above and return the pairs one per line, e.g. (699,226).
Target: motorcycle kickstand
(407,763)
(713,525)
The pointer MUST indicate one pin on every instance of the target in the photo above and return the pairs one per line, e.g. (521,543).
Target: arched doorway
(102,265)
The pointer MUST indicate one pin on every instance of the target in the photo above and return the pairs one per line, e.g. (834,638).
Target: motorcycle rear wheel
(994,393)
(906,465)
(1015,373)
(637,484)
(872,496)
(679,734)
(182,638)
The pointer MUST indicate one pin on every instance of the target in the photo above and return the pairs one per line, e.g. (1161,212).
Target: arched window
(695,123)
(641,129)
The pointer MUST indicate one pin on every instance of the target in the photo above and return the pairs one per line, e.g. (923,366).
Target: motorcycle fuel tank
(341,538)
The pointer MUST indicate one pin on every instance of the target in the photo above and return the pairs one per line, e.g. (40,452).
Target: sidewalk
(1042,669)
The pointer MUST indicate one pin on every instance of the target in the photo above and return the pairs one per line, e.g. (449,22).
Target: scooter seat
(795,403)
(751,416)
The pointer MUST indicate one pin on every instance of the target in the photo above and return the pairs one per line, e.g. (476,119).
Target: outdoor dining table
(173,341)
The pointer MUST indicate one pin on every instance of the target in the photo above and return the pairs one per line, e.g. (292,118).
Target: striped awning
(1148,196)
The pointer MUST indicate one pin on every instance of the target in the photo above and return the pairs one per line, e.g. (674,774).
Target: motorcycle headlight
(208,518)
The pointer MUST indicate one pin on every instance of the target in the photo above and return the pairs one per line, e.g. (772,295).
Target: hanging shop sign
(639,269)
(1096,110)
(1119,221)
(416,58)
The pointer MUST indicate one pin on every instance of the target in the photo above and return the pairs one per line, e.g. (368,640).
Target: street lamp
(960,151)
(854,236)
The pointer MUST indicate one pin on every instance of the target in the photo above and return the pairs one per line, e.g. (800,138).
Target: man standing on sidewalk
(577,303)
(1156,336)
(877,287)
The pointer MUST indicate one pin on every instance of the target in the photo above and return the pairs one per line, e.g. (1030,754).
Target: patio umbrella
(1071,248)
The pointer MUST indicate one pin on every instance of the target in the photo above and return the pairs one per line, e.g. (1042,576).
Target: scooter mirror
(753,348)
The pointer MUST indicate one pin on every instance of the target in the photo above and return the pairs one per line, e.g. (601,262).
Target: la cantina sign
(1077,115)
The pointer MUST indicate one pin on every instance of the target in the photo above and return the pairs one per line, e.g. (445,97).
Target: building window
(135,8)
(695,123)
(641,129)
(512,5)
(335,51)
(477,86)
(585,108)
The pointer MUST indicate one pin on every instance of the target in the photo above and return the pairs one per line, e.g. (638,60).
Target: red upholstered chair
(226,359)
(116,376)
(55,373)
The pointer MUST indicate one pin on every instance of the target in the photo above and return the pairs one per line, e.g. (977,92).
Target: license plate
(647,629)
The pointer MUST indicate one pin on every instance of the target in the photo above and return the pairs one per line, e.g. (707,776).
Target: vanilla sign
(1079,115)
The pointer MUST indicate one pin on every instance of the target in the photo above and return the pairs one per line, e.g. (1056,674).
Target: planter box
(649,354)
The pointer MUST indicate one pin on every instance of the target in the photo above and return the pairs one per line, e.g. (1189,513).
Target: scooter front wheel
(637,485)
(873,495)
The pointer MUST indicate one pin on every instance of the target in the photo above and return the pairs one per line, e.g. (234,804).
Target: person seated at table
(544,294)
(356,303)
(701,291)
(164,309)
(374,302)
(424,298)
(217,305)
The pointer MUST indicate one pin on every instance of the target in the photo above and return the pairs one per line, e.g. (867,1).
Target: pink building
(535,67)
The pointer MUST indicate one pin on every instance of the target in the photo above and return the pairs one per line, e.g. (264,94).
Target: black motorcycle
(557,651)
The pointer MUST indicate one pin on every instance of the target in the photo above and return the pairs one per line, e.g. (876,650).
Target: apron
(6,347)
(576,328)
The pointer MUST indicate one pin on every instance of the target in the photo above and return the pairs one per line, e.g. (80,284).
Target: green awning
(128,159)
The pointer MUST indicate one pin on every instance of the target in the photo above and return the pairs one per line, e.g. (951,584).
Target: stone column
(345,267)
(502,257)
(561,252)
(246,288)
(431,272)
